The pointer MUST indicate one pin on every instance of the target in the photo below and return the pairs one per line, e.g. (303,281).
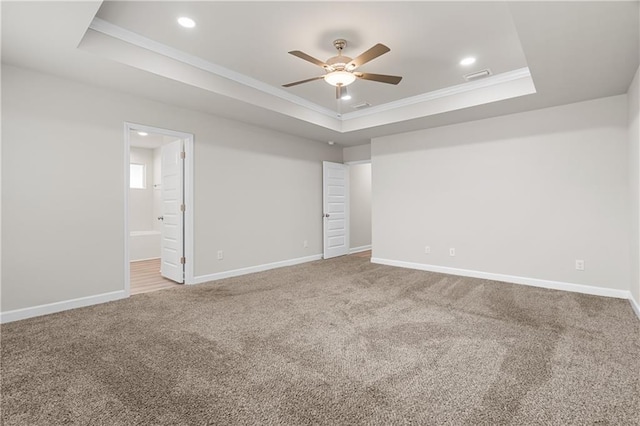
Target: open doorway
(346,194)
(360,208)
(158,221)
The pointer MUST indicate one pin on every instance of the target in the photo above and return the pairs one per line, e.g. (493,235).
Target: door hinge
(183,155)
(183,260)
(183,207)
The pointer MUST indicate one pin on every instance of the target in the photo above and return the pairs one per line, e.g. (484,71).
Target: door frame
(188,197)
(347,208)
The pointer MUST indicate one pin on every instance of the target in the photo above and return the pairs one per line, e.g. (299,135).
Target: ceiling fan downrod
(340,44)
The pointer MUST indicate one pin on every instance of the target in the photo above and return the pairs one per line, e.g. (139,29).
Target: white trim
(357,162)
(534,282)
(494,80)
(634,305)
(140,41)
(135,39)
(252,269)
(142,260)
(189,140)
(359,249)
(52,308)
(189,242)
(127,233)
(152,129)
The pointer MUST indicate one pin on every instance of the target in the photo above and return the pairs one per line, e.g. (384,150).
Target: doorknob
(160,217)
(326,215)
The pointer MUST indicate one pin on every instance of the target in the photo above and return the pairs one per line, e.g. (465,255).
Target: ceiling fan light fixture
(340,70)
(340,78)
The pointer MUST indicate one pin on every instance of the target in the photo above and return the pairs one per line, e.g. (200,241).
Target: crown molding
(494,80)
(396,111)
(115,31)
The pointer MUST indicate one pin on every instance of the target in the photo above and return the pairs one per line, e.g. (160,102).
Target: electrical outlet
(427,250)
(220,255)
(580,265)
(305,244)
(452,252)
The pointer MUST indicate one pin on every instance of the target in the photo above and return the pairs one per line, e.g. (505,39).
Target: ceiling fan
(341,70)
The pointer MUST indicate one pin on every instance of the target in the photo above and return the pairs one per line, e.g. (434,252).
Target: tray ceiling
(234,62)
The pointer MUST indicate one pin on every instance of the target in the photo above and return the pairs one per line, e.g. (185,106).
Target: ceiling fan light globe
(340,78)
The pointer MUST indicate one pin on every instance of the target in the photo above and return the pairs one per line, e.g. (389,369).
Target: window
(137,174)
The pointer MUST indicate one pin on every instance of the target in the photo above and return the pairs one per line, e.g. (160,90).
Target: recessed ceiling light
(186,22)
(468,61)
(331,142)
(143,133)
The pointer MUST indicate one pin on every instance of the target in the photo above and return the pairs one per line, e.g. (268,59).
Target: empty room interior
(320,212)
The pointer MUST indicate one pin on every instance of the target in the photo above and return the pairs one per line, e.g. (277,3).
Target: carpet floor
(340,341)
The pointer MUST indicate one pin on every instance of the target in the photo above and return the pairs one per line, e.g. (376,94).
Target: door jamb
(188,198)
(353,163)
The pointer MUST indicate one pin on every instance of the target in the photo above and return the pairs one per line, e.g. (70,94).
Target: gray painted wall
(258,193)
(141,200)
(522,195)
(356,153)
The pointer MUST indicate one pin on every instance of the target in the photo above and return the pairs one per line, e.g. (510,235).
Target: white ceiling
(254,41)
(234,62)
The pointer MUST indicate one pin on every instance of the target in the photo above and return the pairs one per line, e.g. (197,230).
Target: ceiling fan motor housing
(338,62)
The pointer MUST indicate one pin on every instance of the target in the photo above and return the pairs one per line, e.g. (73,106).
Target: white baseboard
(143,260)
(252,269)
(634,304)
(534,282)
(52,308)
(359,249)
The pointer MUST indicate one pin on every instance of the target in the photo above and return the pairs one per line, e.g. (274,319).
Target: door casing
(188,197)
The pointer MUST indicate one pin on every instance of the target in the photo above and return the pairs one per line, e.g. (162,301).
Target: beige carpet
(330,342)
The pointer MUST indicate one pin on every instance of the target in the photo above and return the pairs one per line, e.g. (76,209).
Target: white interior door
(172,190)
(335,201)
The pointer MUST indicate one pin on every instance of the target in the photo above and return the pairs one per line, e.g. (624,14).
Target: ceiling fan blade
(302,81)
(374,52)
(381,78)
(311,59)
